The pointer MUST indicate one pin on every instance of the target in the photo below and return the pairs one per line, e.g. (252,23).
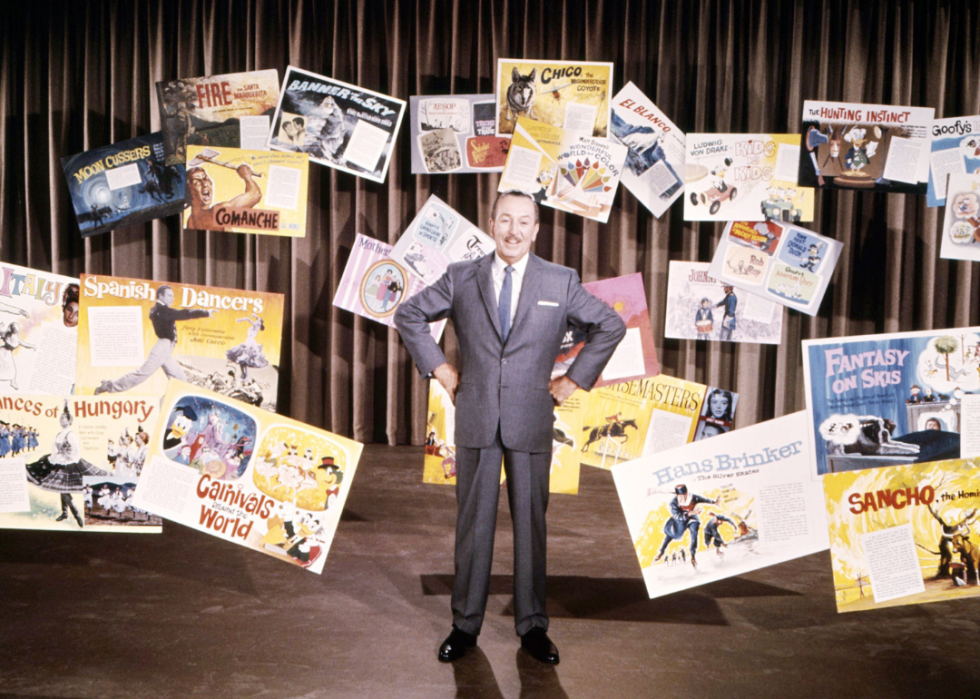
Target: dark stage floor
(186,615)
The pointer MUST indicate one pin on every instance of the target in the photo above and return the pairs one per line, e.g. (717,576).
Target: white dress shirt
(516,280)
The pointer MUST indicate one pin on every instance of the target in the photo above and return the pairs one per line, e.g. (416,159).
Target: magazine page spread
(124,184)
(723,507)
(656,149)
(744,177)
(456,134)
(135,335)
(700,307)
(847,145)
(38,331)
(890,399)
(904,534)
(961,222)
(247,476)
(437,237)
(955,150)
(246,191)
(342,126)
(71,463)
(778,261)
(571,95)
(232,111)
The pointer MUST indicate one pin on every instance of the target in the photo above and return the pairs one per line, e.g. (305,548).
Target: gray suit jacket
(508,383)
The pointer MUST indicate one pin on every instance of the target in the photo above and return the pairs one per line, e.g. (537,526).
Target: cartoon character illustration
(861,151)
(719,190)
(812,260)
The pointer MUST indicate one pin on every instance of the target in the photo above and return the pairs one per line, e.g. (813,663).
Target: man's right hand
(447,375)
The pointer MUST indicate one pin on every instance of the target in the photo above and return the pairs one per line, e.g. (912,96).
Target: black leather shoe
(537,643)
(455,645)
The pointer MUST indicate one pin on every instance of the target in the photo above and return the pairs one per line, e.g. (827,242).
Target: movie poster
(124,184)
(38,331)
(231,111)
(904,534)
(72,463)
(745,177)
(713,510)
(247,476)
(890,399)
(570,95)
(961,223)
(700,307)
(955,150)
(246,191)
(877,147)
(456,134)
(339,125)
(778,261)
(135,335)
(656,149)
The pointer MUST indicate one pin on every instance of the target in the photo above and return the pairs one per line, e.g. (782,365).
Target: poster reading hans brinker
(339,125)
(135,335)
(885,400)
(247,476)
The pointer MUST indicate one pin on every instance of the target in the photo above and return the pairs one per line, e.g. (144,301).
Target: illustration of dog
(969,555)
(867,435)
(520,95)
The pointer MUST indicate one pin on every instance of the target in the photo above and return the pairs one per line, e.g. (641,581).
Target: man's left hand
(561,388)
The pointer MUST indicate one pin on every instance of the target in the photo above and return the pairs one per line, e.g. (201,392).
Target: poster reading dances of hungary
(135,335)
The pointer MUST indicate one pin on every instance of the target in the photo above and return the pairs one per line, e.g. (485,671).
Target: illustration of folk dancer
(711,533)
(249,353)
(728,321)
(61,471)
(200,191)
(164,319)
(683,518)
(949,530)
(9,342)
(704,320)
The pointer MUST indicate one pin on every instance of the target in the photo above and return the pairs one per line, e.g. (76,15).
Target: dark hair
(70,295)
(728,408)
(515,193)
(162,288)
(299,121)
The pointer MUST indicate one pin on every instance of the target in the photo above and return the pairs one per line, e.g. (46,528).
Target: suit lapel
(485,277)
(530,289)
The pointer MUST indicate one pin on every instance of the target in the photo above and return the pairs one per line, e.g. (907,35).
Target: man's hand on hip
(561,388)
(447,375)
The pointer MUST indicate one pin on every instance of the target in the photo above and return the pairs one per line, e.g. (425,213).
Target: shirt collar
(499,265)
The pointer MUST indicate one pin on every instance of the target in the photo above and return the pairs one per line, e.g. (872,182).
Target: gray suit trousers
(477,491)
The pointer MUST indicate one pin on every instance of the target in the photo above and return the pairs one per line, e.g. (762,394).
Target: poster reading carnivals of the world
(778,261)
(955,150)
(232,110)
(38,331)
(744,177)
(571,95)
(455,134)
(723,507)
(847,145)
(246,191)
(904,534)
(654,168)
(124,184)
(700,307)
(892,399)
(342,126)
(135,335)
(374,285)
(71,463)
(961,223)
(247,476)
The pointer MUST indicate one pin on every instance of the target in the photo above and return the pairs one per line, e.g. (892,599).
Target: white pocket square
(548,303)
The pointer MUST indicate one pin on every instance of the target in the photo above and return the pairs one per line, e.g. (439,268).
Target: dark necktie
(503,305)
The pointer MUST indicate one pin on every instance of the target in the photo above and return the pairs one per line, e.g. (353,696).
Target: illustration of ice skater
(164,319)
(249,353)
(10,341)
(683,518)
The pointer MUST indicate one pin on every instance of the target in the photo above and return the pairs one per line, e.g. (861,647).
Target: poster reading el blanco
(247,476)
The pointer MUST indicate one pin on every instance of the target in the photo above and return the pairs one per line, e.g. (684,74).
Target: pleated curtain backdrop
(77,75)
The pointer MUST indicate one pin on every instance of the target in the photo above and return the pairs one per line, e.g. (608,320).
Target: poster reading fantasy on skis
(570,95)
(723,507)
(655,161)
(247,476)
(456,134)
(135,335)
(232,110)
(246,191)
(744,177)
(124,184)
(904,534)
(891,399)
(339,125)
(955,150)
(38,331)
(700,307)
(961,224)
(846,145)
(71,463)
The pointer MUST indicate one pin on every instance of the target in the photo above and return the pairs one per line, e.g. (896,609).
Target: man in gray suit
(510,311)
